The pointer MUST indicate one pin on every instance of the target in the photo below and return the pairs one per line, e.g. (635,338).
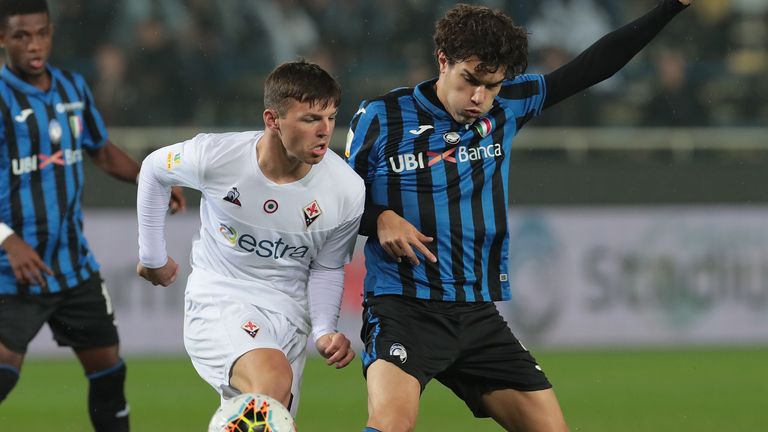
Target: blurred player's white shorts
(218,329)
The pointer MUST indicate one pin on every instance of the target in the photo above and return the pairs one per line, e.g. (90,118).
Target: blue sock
(370,429)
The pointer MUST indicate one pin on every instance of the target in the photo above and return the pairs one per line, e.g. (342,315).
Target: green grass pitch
(652,390)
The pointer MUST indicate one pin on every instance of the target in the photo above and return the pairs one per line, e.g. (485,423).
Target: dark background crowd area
(203,63)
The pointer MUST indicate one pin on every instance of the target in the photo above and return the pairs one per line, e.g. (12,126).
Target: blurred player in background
(280,214)
(435,160)
(47,272)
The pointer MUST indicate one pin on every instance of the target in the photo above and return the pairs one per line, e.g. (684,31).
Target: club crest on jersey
(311,213)
(232,196)
(54,131)
(483,126)
(250,328)
(270,206)
(451,138)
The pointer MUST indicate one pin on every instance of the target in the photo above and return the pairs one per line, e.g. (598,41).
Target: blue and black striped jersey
(42,137)
(449,180)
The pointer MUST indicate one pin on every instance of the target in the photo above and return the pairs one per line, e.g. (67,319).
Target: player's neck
(276,164)
(41,81)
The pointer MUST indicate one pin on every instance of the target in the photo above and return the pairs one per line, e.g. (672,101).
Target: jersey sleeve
(363,141)
(179,164)
(94,130)
(338,247)
(525,95)
(174,165)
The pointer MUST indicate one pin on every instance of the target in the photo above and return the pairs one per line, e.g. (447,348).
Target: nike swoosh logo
(421,129)
(123,412)
(22,117)
(360,111)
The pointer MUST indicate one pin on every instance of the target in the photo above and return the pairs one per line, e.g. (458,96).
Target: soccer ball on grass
(250,412)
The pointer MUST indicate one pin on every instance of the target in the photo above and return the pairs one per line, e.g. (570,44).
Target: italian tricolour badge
(483,126)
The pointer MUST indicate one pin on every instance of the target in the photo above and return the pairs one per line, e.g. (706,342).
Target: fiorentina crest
(311,213)
(250,328)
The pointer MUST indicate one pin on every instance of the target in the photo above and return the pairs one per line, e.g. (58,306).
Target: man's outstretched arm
(609,54)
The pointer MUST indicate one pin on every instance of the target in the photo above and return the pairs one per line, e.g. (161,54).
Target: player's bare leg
(98,359)
(535,411)
(265,371)
(393,398)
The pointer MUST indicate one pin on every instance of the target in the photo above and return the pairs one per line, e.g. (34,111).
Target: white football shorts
(219,329)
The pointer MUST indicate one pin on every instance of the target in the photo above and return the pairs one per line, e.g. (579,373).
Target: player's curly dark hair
(477,31)
(301,81)
(9,8)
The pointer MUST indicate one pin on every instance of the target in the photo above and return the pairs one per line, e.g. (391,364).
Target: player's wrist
(5,232)
(322,332)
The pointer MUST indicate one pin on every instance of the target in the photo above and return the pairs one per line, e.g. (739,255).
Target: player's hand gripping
(164,275)
(27,265)
(178,201)
(336,348)
(399,237)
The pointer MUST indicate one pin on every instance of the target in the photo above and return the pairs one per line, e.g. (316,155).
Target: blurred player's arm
(120,165)
(27,266)
(609,54)
(175,165)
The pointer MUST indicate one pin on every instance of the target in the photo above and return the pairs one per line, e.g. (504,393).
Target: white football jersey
(257,238)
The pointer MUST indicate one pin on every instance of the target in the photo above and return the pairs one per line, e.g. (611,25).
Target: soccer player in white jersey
(280,215)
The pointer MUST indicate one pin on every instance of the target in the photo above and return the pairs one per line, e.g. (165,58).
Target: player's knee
(273,378)
(9,376)
(106,399)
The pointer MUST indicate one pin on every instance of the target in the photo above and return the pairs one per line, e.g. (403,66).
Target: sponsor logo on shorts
(250,328)
(399,351)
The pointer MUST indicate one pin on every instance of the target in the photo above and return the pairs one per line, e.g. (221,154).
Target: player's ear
(270,119)
(442,61)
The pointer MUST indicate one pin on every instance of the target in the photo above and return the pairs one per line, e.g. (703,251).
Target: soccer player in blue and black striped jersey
(47,272)
(435,160)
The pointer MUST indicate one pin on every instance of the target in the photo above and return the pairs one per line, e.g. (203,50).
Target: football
(250,412)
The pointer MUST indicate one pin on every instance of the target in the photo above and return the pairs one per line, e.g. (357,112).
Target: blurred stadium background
(639,253)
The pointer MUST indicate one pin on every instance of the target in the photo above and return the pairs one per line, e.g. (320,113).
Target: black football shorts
(466,346)
(79,317)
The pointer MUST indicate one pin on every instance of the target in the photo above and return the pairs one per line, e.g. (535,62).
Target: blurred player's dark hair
(467,31)
(301,81)
(9,8)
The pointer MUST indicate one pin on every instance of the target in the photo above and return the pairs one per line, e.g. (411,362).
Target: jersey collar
(426,96)
(22,85)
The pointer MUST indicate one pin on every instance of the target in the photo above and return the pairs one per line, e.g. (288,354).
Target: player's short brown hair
(467,31)
(301,81)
